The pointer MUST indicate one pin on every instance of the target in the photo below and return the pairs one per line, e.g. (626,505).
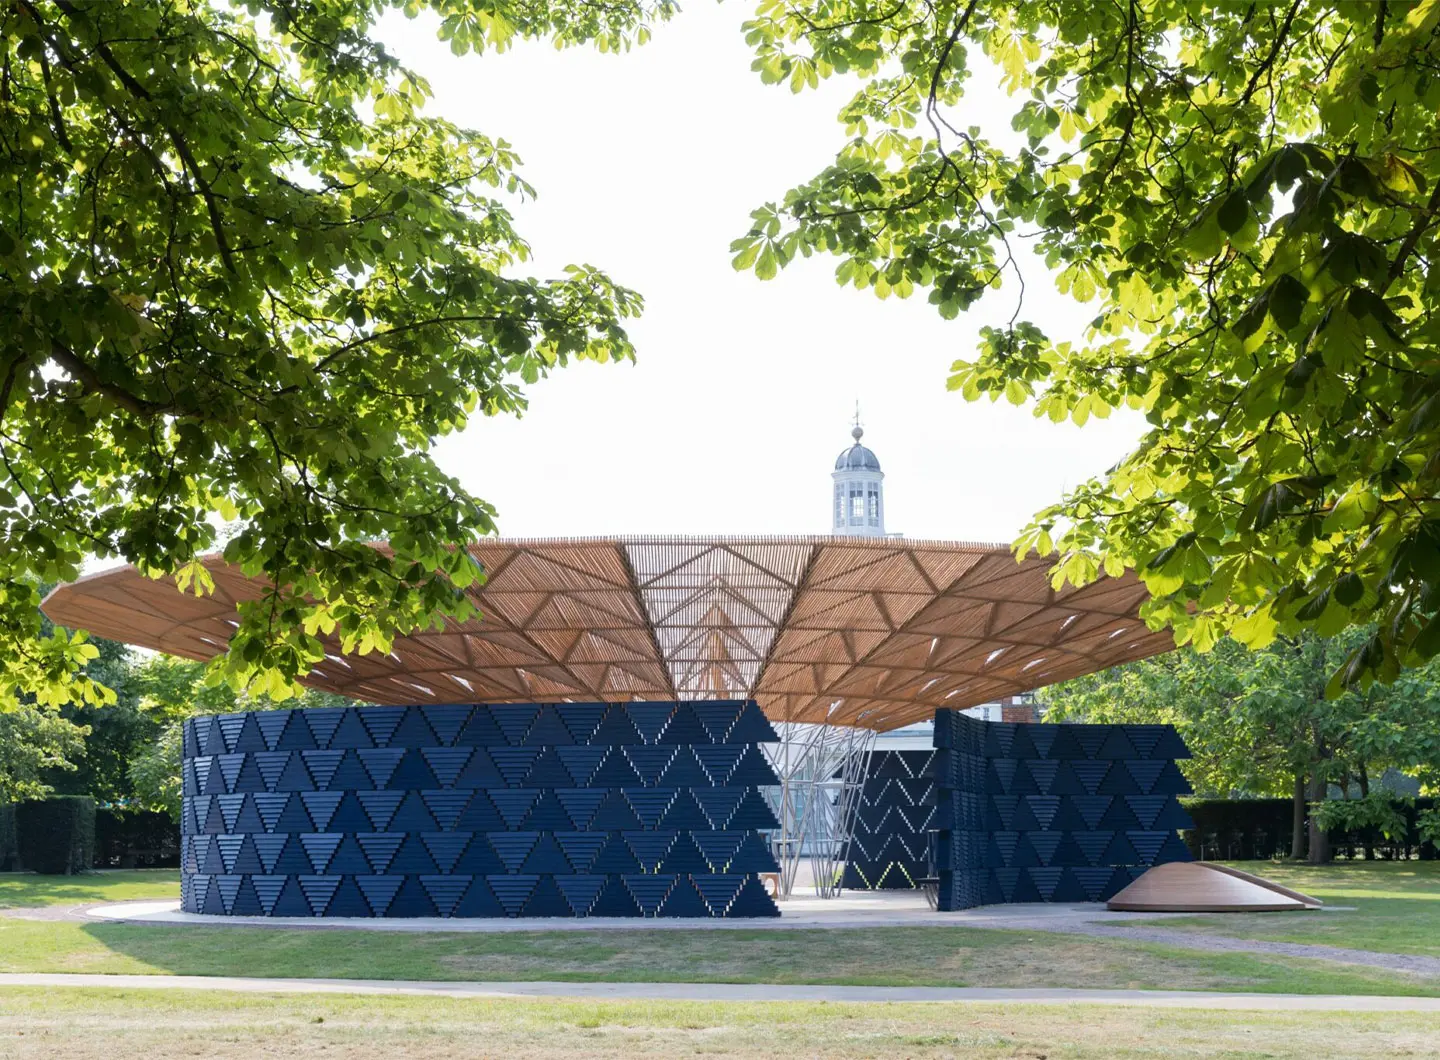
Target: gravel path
(1395,962)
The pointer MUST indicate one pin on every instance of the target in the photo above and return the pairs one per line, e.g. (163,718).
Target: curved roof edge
(878,632)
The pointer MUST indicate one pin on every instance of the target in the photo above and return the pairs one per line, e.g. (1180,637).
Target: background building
(859,511)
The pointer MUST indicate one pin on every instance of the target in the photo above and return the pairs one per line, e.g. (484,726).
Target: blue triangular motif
(581,762)
(615,856)
(271,724)
(719,890)
(514,762)
(481,730)
(718,716)
(321,806)
(719,804)
(379,891)
(649,719)
(445,805)
(546,857)
(512,891)
(581,719)
(413,731)
(513,847)
(514,720)
(684,728)
(446,763)
(445,892)
(580,891)
(547,730)
(752,727)
(447,720)
(616,728)
(649,848)
(718,848)
(581,804)
(683,901)
(445,848)
(382,722)
(347,734)
(321,765)
(380,764)
(320,722)
(411,900)
(513,804)
(380,806)
(580,848)
(649,762)
(685,771)
(614,900)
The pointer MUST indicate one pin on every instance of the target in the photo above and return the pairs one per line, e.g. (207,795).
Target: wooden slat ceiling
(855,631)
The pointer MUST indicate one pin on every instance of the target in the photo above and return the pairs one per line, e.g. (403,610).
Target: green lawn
(1396,907)
(102,1024)
(941,956)
(21,890)
(1392,904)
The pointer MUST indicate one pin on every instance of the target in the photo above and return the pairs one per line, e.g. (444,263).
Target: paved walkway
(742,992)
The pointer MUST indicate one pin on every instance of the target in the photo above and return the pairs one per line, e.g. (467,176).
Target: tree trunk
(1364,776)
(1297,828)
(1319,841)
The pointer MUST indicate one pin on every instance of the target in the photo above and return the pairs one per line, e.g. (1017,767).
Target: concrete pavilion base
(853,909)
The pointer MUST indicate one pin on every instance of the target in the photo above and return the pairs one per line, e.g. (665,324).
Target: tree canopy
(246,284)
(1247,194)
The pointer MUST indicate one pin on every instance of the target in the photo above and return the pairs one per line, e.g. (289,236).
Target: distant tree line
(126,753)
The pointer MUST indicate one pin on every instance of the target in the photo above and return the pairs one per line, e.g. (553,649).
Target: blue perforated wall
(890,845)
(1052,813)
(528,810)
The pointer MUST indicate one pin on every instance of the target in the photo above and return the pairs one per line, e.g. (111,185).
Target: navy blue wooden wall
(890,847)
(1052,813)
(528,810)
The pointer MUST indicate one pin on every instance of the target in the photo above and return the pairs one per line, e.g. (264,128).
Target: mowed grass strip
(21,890)
(101,1024)
(860,956)
(1389,907)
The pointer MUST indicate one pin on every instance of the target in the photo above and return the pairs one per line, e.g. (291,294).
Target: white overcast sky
(647,164)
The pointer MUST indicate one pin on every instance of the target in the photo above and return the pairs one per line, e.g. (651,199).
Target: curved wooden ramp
(1204,887)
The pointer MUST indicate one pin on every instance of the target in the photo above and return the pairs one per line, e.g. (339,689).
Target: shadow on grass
(843,956)
(21,890)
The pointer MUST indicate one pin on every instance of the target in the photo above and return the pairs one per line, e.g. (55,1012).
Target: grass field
(101,1024)
(1396,907)
(20,890)
(857,956)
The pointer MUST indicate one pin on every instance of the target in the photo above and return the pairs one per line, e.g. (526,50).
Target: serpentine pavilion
(672,726)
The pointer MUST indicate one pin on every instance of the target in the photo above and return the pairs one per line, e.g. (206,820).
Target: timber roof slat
(874,632)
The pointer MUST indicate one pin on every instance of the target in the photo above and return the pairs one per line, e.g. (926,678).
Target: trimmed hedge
(129,839)
(57,835)
(9,855)
(1241,829)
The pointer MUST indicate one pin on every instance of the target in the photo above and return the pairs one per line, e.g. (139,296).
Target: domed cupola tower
(859,509)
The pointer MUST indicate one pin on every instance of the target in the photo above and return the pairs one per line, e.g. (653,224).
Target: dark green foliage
(127,839)
(9,856)
(1248,195)
(57,835)
(1241,829)
(246,279)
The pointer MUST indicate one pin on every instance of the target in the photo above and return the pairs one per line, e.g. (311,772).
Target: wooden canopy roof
(855,631)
